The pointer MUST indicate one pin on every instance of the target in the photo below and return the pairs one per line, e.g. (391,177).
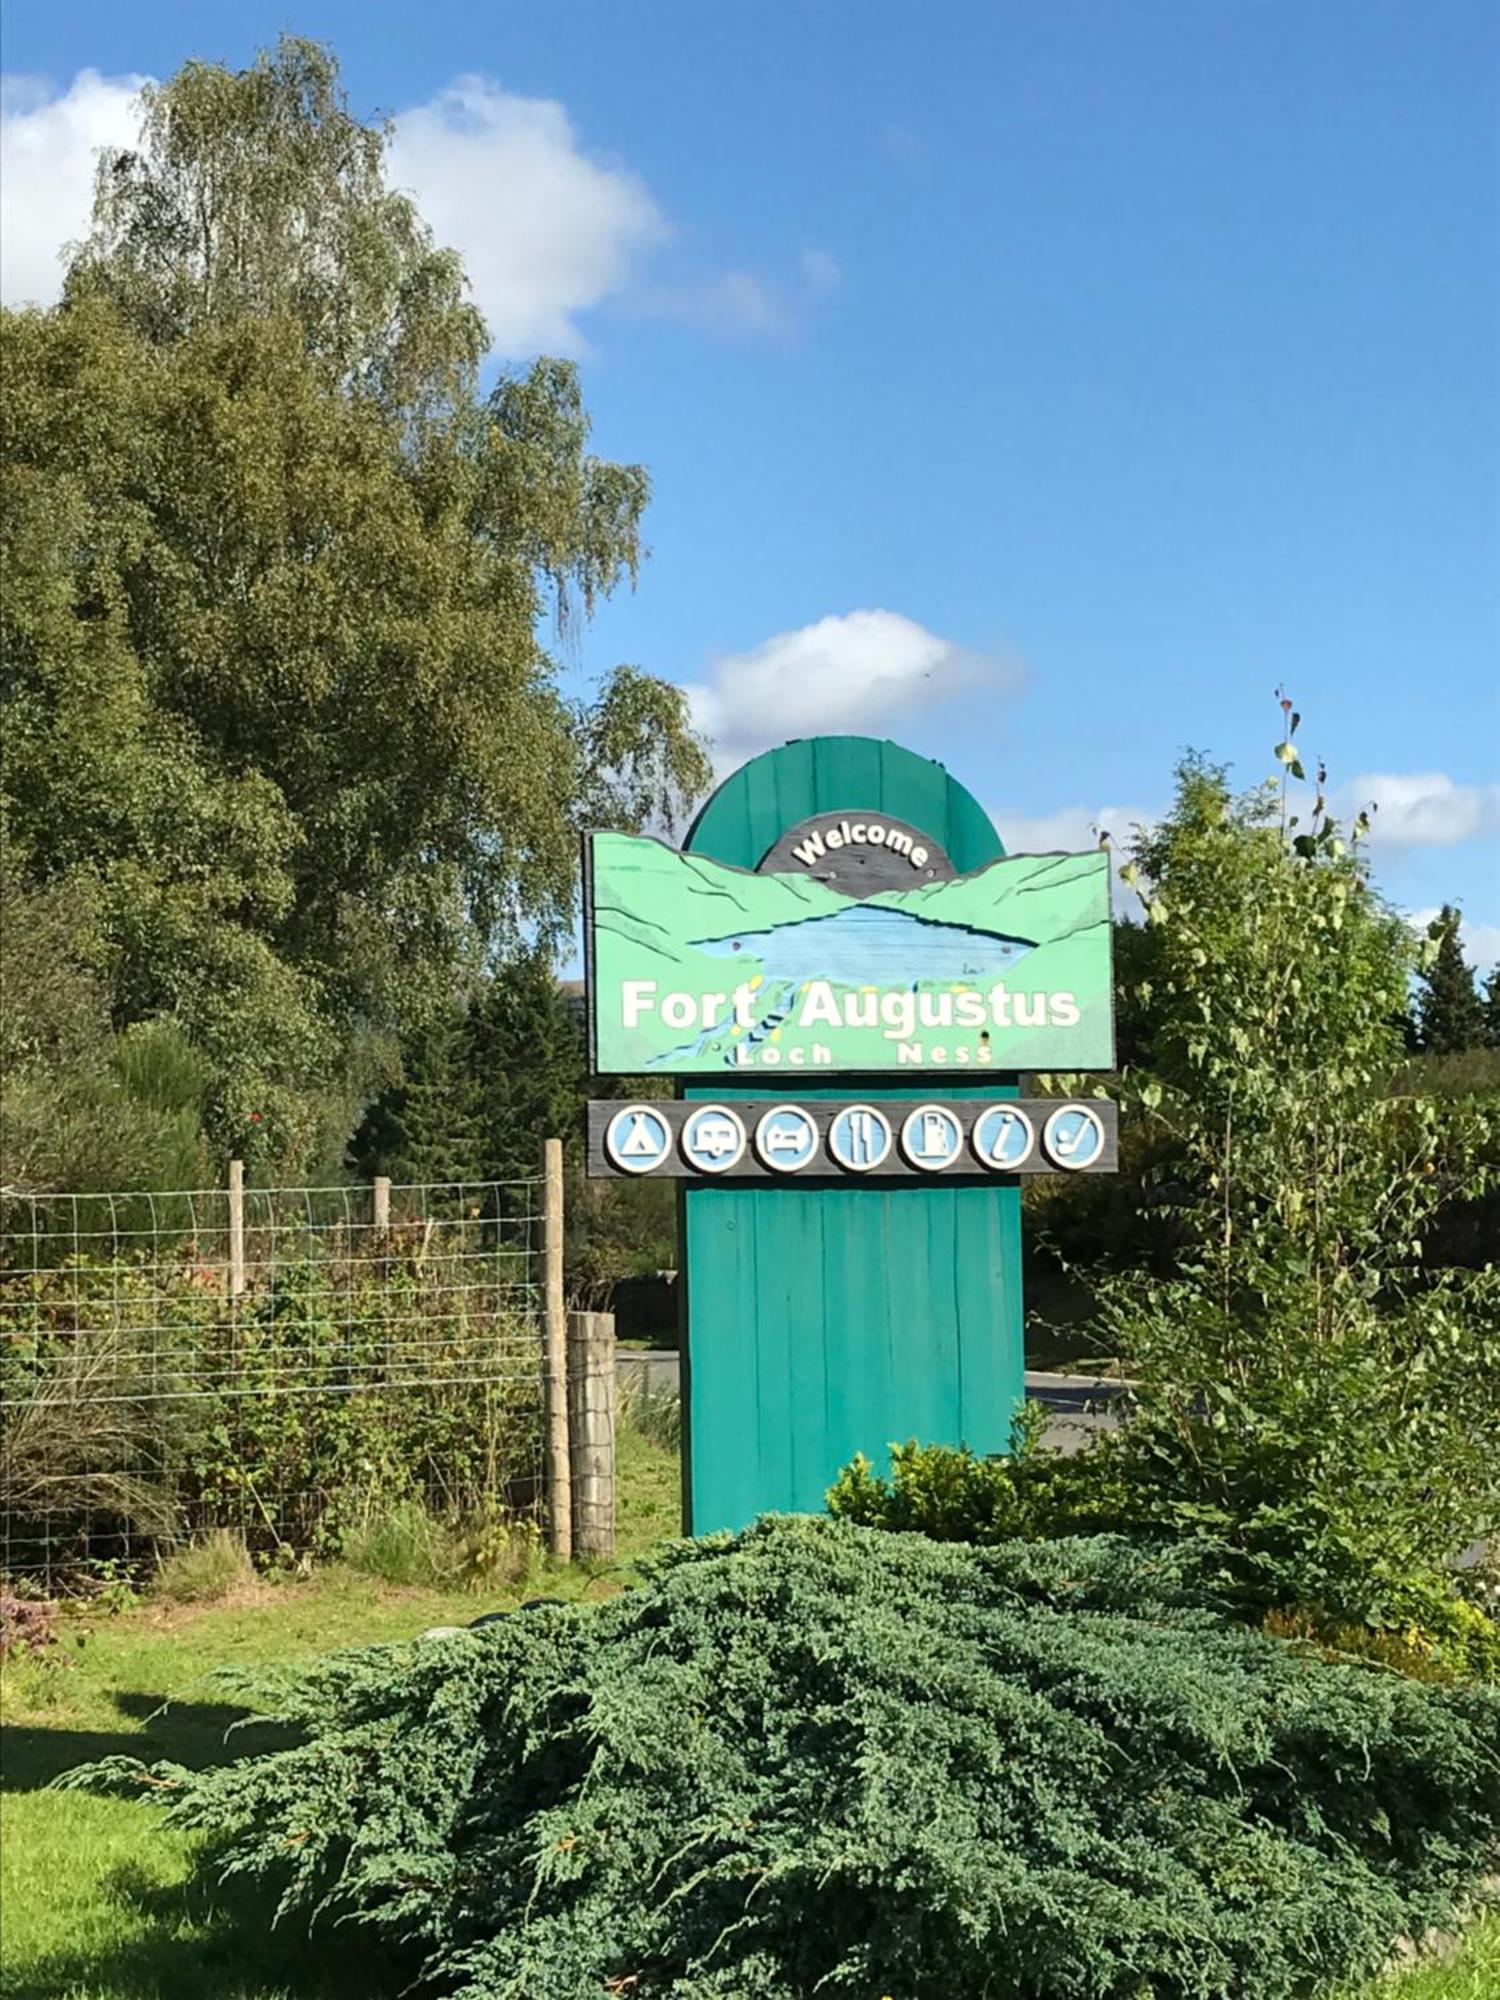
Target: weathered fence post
(555,1356)
(382,1203)
(236,1228)
(591,1422)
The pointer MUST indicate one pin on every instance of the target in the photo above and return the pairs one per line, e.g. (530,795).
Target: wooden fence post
(591,1421)
(555,1357)
(382,1203)
(236,1228)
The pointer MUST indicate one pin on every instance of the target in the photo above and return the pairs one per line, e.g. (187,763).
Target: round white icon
(932,1137)
(1073,1137)
(786,1138)
(638,1138)
(1003,1138)
(859,1138)
(712,1139)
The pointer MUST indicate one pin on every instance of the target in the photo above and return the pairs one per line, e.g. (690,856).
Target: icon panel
(932,1137)
(638,1138)
(1003,1138)
(786,1138)
(712,1139)
(860,1138)
(1073,1137)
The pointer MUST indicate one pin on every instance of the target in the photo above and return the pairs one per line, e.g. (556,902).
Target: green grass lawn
(96,1900)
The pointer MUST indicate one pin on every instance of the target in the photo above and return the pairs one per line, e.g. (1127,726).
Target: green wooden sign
(698,968)
(842,923)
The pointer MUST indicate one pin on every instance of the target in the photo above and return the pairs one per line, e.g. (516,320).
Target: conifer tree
(1449,1011)
(526,1046)
(433,1121)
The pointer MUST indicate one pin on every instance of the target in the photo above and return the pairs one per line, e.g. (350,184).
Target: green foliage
(277,709)
(401,1544)
(1307,1388)
(482,1086)
(1450,1013)
(254,193)
(1492,1010)
(81,1106)
(1280,1560)
(143,1407)
(205,1571)
(953,1495)
(809,1758)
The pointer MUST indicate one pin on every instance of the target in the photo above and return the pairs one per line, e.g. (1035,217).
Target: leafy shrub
(206,1571)
(1310,1388)
(811,1758)
(1281,1555)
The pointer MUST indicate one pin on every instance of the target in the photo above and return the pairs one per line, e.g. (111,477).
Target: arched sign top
(827,775)
(844,905)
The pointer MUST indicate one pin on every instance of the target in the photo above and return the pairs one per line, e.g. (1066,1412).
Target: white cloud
(544,229)
(851,673)
(1072,829)
(48,151)
(1422,808)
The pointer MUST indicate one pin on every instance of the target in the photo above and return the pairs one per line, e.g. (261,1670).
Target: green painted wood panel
(823,1319)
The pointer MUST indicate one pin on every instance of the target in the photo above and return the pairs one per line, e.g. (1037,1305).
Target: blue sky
(1038,384)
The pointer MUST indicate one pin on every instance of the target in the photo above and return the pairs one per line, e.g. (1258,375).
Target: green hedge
(818,1759)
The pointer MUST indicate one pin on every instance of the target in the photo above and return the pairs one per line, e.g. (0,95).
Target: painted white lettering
(819,1008)
(910,1052)
(898,1014)
(962,1053)
(898,843)
(679,1010)
(770,1056)
(970,1010)
(861,1010)
(712,1003)
(822,1054)
(795,1058)
(919,857)
(1031,1010)
(835,838)
(741,996)
(936,1010)
(938,1055)
(637,997)
(1000,1006)
(858,831)
(1062,1010)
(877,836)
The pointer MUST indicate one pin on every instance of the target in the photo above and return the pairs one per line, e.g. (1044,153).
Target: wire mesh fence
(284,1362)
